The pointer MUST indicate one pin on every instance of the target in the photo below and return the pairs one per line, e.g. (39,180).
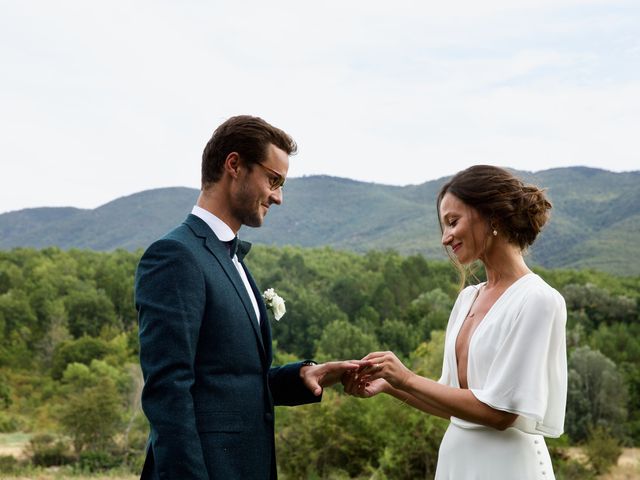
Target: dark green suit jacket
(209,390)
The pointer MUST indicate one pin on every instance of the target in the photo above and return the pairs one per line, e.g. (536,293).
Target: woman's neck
(504,265)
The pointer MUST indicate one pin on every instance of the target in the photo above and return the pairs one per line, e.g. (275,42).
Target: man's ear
(232,164)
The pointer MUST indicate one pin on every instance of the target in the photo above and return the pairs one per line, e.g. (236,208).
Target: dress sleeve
(528,375)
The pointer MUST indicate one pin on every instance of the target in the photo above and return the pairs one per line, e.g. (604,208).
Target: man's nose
(276,196)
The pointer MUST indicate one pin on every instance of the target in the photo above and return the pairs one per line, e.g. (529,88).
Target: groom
(205,341)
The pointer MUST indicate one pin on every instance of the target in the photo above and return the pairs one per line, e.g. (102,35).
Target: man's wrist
(306,363)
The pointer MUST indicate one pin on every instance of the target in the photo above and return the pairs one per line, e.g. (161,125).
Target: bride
(504,375)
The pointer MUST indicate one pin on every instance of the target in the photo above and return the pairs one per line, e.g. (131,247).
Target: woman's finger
(373,355)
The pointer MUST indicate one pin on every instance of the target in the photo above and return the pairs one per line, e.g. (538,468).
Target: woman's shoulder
(539,294)
(540,287)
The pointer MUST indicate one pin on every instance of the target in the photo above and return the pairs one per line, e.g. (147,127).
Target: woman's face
(464,230)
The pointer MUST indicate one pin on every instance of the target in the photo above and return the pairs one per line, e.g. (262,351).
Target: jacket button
(268,417)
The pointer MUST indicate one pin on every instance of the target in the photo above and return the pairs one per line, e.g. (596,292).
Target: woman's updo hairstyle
(516,210)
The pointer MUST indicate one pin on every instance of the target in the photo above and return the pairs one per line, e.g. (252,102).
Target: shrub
(602,449)
(46,451)
(565,467)
(9,423)
(96,461)
(8,464)
(573,470)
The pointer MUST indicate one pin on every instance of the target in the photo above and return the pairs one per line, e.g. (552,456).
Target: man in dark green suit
(205,341)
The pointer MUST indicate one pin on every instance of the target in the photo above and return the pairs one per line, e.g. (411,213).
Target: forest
(70,380)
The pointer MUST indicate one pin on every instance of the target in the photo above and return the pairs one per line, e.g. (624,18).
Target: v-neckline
(482,322)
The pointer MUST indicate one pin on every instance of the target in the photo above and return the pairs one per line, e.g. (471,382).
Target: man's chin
(254,222)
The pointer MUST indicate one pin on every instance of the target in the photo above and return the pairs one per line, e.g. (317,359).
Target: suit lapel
(264,324)
(219,250)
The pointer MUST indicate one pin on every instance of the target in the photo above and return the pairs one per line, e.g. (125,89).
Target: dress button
(544,473)
(541,463)
(539,453)
(535,441)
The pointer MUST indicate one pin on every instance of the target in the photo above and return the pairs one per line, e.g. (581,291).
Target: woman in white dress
(504,375)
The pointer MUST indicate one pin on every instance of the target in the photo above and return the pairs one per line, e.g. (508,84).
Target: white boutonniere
(274,302)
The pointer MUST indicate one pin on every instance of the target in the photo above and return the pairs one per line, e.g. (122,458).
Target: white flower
(274,302)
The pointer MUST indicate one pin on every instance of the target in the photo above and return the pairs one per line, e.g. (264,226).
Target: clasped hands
(375,373)
(378,372)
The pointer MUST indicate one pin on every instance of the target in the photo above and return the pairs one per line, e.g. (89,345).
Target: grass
(628,467)
(64,475)
(11,439)
(14,443)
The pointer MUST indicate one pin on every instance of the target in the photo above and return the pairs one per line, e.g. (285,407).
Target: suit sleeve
(170,296)
(288,388)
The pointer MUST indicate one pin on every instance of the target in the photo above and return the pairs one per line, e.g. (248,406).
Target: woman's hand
(385,365)
(355,385)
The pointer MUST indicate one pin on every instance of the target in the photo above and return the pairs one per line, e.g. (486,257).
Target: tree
(15,312)
(92,412)
(621,343)
(399,337)
(93,416)
(599,305)
(597,395)
(343,340)
(308,313)
(429,311)
(83,350)
(89,311)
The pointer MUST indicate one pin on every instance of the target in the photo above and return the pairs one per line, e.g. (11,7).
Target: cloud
(102,100)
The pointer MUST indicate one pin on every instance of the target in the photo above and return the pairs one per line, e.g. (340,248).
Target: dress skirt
(487,454)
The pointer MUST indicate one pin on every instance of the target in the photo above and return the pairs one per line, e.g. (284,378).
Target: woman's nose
(446,238)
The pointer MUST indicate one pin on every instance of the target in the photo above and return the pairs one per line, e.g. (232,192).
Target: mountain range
(595,219)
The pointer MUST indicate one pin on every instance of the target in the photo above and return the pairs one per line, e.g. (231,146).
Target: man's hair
(249,137)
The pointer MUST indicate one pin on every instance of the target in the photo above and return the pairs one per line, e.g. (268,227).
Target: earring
(495,232)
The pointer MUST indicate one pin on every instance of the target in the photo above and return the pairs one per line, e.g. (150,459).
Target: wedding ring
(378,366)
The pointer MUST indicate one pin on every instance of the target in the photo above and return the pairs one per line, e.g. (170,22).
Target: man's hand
(316,377)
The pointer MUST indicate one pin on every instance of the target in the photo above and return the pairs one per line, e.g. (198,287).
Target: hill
(595,220)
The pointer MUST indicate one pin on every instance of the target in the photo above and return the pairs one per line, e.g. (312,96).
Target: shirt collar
(221,229)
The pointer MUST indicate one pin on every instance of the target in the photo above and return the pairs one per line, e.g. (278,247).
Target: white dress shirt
(225,234)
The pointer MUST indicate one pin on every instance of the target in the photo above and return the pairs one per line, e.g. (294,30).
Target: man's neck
(212,200)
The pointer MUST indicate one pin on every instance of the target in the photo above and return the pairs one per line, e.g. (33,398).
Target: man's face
(255,194)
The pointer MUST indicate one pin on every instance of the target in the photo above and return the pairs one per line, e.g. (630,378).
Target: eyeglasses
(274,182)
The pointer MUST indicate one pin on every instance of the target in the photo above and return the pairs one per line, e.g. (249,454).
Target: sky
(100,100)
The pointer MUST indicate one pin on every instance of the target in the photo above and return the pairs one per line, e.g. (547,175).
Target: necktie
(239,248)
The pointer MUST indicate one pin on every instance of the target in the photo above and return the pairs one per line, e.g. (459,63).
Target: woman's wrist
(387,388)
(407,381)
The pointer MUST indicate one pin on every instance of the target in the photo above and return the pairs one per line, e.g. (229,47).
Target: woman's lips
(456,247)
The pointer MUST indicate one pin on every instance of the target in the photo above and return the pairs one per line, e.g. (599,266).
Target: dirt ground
(13,444)
(628,467)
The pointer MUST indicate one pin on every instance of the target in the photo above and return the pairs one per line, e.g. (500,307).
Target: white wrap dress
(517,363)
